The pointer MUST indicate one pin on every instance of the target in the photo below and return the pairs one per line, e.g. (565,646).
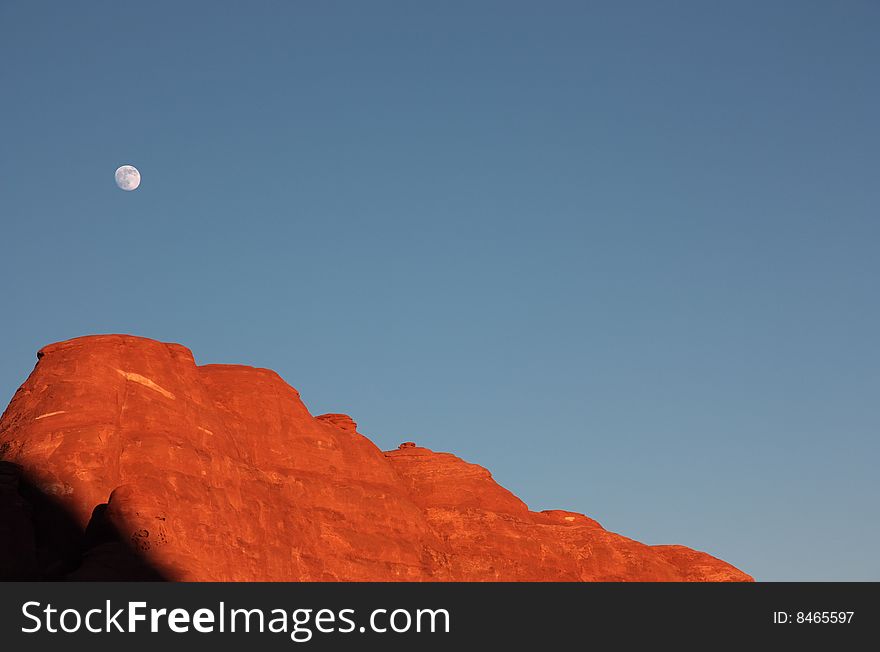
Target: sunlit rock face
(123,459)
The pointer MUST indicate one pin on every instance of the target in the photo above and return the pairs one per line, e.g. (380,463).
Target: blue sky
(623,254)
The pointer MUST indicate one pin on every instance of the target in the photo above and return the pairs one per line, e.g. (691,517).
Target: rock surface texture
(123,459)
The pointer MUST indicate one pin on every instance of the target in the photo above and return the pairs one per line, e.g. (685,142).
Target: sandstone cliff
(121,458)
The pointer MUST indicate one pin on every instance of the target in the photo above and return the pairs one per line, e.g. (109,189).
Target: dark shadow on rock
(41,540)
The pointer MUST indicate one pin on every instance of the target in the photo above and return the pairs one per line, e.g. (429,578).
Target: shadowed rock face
(152,467)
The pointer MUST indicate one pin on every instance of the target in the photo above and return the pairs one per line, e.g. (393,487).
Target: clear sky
(623,254)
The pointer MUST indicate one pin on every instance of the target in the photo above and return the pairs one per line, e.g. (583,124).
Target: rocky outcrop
(122,458)
(341,421)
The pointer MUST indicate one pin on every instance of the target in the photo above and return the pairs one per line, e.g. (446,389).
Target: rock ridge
(121,458)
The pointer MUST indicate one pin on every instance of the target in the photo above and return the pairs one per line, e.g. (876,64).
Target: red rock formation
(123,458)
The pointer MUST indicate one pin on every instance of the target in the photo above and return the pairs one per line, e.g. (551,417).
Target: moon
(127,177)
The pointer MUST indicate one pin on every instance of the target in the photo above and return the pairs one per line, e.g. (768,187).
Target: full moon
(128,177)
